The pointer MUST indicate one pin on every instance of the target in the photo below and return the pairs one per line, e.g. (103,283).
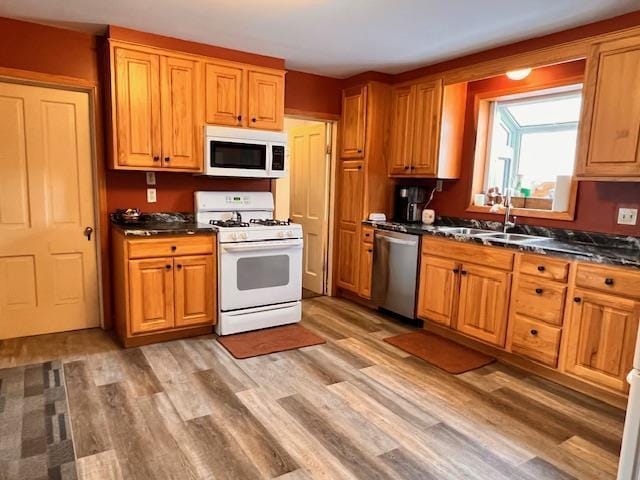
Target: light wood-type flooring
(355,407)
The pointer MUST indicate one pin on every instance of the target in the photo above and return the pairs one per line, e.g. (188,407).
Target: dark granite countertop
(150,224)
(583,246)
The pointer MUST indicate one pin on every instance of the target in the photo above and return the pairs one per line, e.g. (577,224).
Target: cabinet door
(350,218)
(136,92)
(366,266)
(610,130)
(194,285)
(223,95)
(426,128)
(150,295)
(354,119)
(401,130)
(438,289)
(181,128)
(265,103)
(483,304)
(601,338)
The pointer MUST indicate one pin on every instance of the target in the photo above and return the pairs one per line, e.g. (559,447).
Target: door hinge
(328,149)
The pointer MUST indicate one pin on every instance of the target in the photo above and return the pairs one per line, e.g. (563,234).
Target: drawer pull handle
(608,281)
(577,299)
(359,150)
(168,267)
(534,332)
(541,268)
(539,291)
(173,248)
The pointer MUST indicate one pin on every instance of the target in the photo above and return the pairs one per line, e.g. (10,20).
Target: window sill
(525,212)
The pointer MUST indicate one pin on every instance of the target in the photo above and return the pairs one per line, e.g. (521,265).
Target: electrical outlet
(627,216)
(151,178)
(151,195)
(438,185)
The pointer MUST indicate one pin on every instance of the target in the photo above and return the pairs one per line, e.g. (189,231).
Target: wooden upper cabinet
(194,293)
(438,290)
(181,124)
(401,135)
(483,304)
(265,101)
(354,120)
(610,128)
(426,128)
(151,295)
(224,87)
(601,338)
(136,95)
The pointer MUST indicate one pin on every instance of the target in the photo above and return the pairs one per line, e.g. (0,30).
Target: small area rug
(269,340)
(35,435)
(441,352)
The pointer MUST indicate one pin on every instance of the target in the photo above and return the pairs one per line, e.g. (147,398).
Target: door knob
(88,232)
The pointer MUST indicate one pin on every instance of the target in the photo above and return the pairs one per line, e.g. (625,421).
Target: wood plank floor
(355,407)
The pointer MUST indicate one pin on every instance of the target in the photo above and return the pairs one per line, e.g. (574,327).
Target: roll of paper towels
(562,193)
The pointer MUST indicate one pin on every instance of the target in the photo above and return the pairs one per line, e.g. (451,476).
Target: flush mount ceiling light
(518,74)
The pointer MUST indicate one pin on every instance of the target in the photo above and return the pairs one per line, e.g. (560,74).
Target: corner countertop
(598,248)
(153,224)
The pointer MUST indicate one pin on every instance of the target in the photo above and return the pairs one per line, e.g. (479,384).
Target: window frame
(484,103)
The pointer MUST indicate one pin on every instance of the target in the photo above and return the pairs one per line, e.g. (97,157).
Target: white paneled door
(309,173)
(48,265)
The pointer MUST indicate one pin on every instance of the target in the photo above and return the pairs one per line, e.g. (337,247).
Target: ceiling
(338,38)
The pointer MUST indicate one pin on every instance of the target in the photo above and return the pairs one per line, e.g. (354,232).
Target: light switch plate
(438,185)
(151,195)
(151,178)
(627,216)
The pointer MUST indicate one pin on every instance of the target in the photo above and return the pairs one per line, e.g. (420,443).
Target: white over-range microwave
(240,152)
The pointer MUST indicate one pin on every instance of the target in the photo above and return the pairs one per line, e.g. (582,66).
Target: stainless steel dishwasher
(395,272)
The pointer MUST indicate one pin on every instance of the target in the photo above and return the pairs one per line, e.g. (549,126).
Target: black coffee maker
(409,203)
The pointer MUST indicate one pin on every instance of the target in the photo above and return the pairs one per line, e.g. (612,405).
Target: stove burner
(228,223)
(270,222)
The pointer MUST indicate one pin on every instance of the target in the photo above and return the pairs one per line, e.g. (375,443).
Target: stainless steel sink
(511,237)
(464,231)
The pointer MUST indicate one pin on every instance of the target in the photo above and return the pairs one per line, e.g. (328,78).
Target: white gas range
(259,261)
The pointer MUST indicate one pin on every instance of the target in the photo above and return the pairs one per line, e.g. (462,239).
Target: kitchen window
(529,151)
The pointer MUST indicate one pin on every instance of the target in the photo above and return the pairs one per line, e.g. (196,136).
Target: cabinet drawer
(610,280)
(544,267)
(170,246)
(466,252)
(367,234)
(540,299)
(535,340)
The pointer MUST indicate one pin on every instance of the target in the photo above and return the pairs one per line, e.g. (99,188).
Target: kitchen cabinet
(535,340)
(438,289)
(426,126)
(164,287)
(354,119)
(609,146)
(483,303)
(601,338)
(362,182)
(224,97)
(265,103)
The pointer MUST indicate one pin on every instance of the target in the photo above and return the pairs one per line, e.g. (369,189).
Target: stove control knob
(244,235)
(234,236)
(281,234)
(289,233)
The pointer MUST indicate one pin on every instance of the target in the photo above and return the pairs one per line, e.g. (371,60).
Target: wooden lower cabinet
(535,340)
(160,295)
(366,268)
(438,290)
(483,303)
(348,259)
(601,338)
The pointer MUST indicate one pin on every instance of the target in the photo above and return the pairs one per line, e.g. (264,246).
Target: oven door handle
(253,247)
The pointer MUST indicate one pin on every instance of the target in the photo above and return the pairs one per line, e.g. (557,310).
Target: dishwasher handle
(397,241)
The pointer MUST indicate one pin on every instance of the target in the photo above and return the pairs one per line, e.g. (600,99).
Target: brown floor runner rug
(441,352)
(269,340)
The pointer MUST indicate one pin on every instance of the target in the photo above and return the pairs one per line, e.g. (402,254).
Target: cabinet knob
(359,167)
(539,291)
(463,272)
(173,248)
(456,270)
(168,267)
(413,167)
(541,268)
(406,167)
(359,150)
(167,159)
(179,267)
(608,281)
(239,117)
(254,120)
(534,332)
(577,299)
(156,158)
(370,250)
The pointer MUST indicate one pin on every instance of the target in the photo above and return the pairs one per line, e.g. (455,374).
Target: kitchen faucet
(507,212)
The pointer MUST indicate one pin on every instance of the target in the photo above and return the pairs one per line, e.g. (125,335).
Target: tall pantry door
(48,267)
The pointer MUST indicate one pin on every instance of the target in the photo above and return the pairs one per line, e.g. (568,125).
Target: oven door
(237,157)
(255,274)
